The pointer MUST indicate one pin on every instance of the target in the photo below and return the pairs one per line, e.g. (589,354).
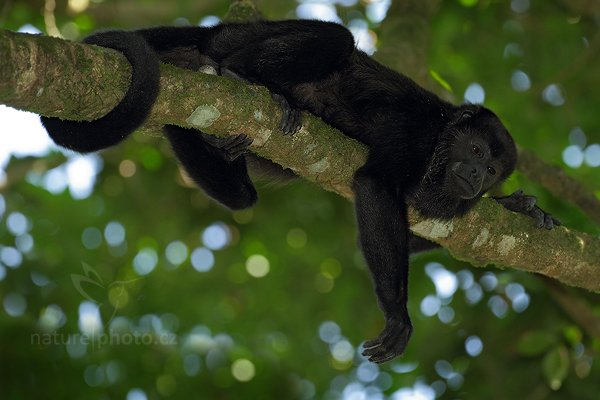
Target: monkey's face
(474,153)
(482,152)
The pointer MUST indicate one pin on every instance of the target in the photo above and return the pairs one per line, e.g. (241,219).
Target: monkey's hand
(391,342)
(526,204)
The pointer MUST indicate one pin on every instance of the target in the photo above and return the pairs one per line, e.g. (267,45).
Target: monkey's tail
(130,113)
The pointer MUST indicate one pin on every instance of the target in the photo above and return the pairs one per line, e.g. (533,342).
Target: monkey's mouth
(465,187)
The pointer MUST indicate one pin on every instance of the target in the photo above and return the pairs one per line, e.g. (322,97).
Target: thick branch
(36,75)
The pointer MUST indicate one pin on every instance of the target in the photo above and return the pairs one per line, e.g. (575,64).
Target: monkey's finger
(239,140)
(383,357)
(368,353)
(288,124)
(296,122)
(374,352)
(368,344)
(235,146)
(247,141)
(372,346)
(286,111)
(227,142)
(231,144)
(233,155)
(556,222)
(550,222)
(393,342)
(284,118)
(240,137)
(538,216)
(529,202)
(292,123)
(391,348)
(381,354)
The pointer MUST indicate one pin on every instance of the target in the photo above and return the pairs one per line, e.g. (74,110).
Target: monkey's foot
(390,343)
(230,147)
(526,204)
(291,118)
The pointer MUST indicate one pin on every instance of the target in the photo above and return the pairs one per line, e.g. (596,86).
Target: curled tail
(129,114)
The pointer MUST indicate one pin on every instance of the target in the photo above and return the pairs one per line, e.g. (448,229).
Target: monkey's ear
(465,113)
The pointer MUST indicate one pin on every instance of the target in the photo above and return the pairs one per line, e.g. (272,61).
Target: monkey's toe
(235,146)
(291,118)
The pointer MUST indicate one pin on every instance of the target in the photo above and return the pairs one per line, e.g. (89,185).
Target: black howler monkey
(423,151)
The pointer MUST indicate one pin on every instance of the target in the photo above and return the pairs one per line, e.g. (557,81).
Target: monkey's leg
(298,52)
(166,38)
(383,232)
(216,165)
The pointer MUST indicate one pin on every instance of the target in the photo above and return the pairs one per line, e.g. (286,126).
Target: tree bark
(69,80)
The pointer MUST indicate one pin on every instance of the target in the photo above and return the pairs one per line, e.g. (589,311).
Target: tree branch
(75,81)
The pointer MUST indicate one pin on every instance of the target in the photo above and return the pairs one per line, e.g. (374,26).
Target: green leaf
(556,366)
(438,78)
(535,343)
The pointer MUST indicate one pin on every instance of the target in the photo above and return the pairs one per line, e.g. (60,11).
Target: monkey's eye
(491,171)
(477,150)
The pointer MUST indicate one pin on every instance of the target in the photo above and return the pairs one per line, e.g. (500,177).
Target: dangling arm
(383,231)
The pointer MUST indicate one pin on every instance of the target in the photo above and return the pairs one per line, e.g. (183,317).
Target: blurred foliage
(198,330)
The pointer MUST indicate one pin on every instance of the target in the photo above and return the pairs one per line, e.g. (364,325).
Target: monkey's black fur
(424,152)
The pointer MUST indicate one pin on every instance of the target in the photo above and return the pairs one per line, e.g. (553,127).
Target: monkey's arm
(516,202)
(383,233)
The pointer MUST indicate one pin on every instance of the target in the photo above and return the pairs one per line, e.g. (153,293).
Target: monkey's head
(483,152)
(474,153)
